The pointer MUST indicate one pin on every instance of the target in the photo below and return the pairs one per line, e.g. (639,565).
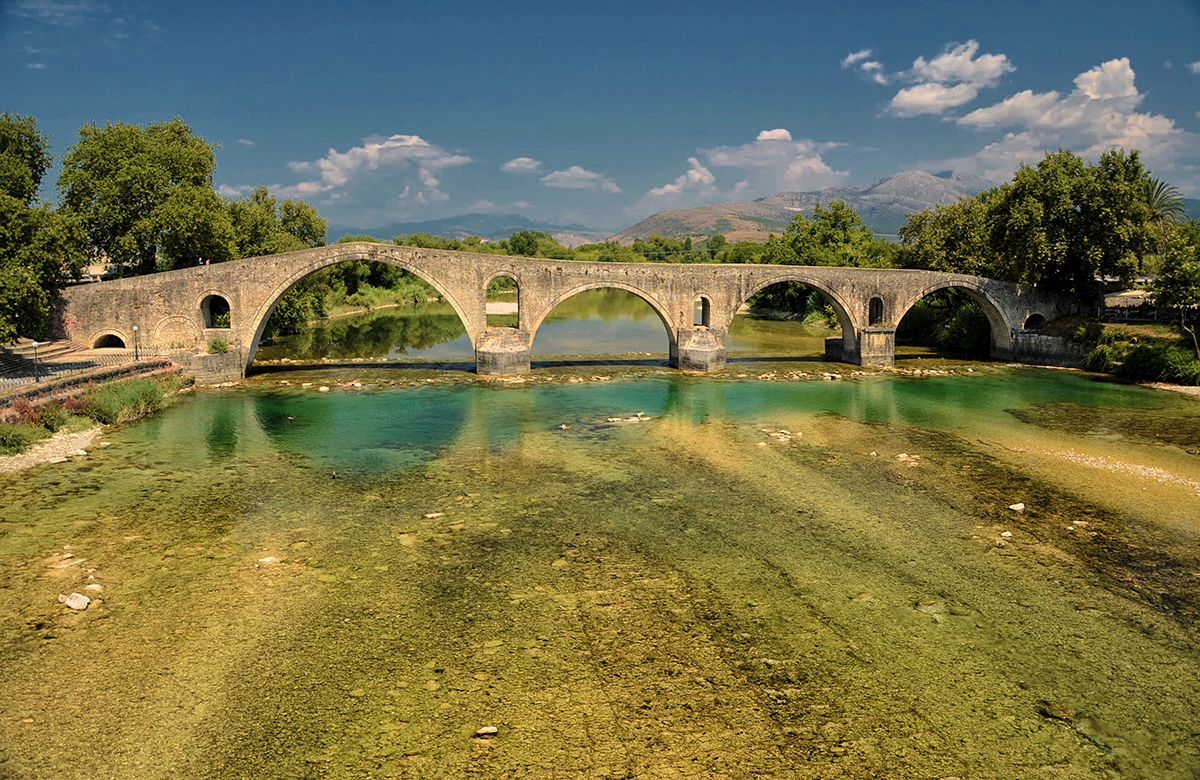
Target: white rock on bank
(1018,507)
(76,601)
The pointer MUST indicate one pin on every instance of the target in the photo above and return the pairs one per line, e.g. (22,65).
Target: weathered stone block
(699,349)
(214,369)
(502,351)
(877,347)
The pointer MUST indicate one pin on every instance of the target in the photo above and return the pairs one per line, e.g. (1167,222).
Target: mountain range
(883,206)
(492,227)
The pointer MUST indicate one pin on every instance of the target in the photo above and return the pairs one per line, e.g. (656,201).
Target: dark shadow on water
(427,365)
(779,359)
(598,360)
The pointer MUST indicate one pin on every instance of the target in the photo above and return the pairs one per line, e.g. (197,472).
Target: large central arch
(263,314)
(1002,342)
(661,310)
(840,308)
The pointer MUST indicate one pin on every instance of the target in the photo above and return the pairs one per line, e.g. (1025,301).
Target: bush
(1101,357)
(52,416)
(15,439)
(969,334)
(122,401)
(218,346)
(1160,363)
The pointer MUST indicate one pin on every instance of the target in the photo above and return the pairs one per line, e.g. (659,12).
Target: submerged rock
(486,732)
(1017,507)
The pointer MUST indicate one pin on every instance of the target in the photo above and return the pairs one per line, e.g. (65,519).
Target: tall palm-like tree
(1165,202)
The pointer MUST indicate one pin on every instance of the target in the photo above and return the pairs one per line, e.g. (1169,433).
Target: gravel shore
(61,445)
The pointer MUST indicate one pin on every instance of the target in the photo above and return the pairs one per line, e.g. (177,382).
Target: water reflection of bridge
(175,310)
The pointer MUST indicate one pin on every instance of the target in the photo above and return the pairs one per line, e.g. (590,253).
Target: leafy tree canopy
(141,191)
(39,248)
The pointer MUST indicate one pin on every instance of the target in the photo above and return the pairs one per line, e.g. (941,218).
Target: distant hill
(882,206)
(493,227)
(1192,207)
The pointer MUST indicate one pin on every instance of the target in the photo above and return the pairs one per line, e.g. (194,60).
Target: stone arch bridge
(172,312)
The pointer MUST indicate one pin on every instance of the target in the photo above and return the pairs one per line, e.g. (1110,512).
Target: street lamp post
(36,376)
(135,343)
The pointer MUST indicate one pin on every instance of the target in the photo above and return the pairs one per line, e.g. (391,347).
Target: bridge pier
(502,351)
(877,347)
(698,349)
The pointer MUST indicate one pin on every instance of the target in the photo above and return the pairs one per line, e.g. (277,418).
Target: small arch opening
(702,312)
(503,303)
(109,341)
(1035,322)
(875,311)
(216,311)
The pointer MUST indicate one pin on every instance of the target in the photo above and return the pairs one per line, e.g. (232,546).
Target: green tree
(38,246)
(953,238)
(1177,286)
(261,226)
(1063,223)
(524,243)
(832,236)
(1164,201)
(143,192)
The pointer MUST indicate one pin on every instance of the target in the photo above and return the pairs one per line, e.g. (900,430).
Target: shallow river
(811,579)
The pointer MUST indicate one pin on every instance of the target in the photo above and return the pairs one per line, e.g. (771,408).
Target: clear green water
(349,584)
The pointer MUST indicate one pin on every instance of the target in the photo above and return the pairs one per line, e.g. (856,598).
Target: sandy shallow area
(57,448)
(1184,389)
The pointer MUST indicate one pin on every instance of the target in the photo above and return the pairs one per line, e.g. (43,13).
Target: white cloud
(778,162)
(522,165)
(778,134)
(960,64)
(1098,115)
(698,181)
(245,142)
(860,61)
(235,192)
(949,80)
(576,178)
(1194,67)
(36,65)
(930,99)
(337,169)
(856,57)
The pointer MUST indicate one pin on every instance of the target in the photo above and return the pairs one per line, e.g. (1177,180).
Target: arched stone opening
(215,310)
(702,312)
(953,321)
(443,321)
(875,311)
(791,318)
(503,302)
(109,341)
(603,319)
(1035,321)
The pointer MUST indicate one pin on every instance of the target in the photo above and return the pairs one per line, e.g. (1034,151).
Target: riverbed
(979,571)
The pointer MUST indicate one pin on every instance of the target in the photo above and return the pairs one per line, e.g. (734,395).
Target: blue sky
(604,113)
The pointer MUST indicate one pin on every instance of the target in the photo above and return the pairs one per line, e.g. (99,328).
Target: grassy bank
(1139,353)
(23,424)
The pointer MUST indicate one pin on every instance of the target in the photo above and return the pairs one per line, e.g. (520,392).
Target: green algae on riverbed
(752,581)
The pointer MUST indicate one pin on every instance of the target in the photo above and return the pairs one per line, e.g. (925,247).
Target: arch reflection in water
(605,321)
(365,432)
